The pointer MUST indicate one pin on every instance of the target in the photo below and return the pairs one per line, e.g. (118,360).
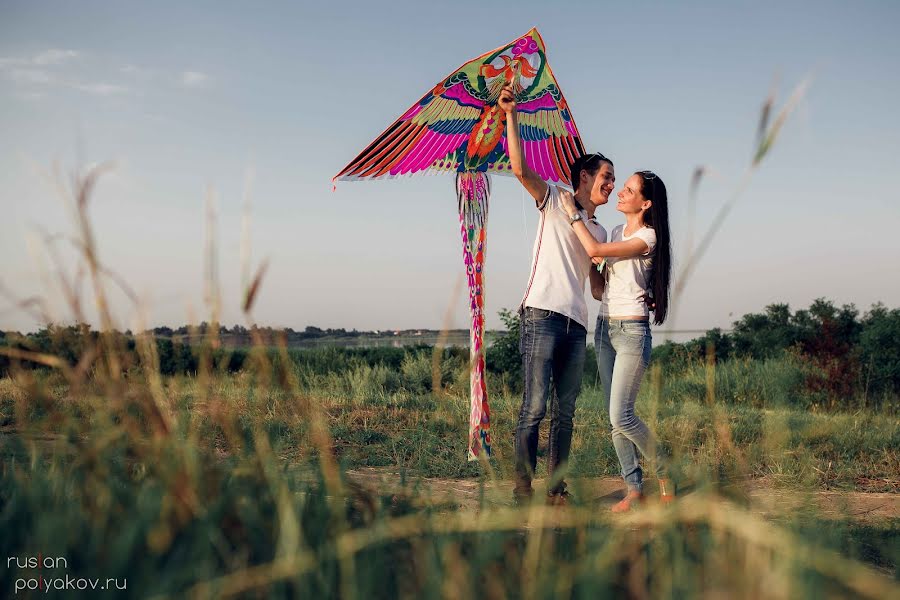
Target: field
(324,473)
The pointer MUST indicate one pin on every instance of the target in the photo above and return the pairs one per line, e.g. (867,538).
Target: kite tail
(473,190)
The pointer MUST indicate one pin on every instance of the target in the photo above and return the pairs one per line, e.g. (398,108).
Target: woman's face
(630,198)
(603,184)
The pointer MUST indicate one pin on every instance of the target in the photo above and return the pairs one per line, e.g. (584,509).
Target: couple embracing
(625,269)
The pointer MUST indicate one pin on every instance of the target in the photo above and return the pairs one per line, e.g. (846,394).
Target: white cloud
(131,70)
(30,96)
(48,57)
(31,76)
(54,57)
(37,70)
(47,68)
(101,89)
(194,79)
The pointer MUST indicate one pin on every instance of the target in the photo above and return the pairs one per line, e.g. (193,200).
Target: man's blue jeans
(553,348)
(623,353)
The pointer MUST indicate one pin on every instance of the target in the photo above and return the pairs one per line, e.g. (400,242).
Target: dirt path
(603,492)
(764,498)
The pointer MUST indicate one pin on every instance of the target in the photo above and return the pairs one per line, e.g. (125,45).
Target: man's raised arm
(536,186)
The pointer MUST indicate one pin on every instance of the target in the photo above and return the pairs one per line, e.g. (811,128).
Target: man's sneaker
(632,499)
(562,498)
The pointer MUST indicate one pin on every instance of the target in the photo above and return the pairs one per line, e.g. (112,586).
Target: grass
(235,499)
(243,492)
(380,416)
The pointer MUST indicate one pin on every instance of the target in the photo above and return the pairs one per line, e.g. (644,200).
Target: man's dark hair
(586,162)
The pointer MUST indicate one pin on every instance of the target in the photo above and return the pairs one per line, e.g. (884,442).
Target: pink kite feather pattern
(458,127)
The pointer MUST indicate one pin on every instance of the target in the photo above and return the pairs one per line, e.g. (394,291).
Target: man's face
(603,184)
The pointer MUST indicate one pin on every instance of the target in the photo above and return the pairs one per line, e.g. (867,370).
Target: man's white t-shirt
(628,279)
(560,265)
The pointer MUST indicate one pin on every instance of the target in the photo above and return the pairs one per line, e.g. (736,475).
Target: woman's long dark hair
(586,162)
(654,190)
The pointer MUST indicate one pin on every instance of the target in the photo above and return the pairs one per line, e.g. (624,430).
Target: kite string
(524,220)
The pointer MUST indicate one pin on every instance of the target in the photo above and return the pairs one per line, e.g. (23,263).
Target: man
(553,312)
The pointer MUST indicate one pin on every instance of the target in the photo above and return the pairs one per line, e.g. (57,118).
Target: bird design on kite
(458,127)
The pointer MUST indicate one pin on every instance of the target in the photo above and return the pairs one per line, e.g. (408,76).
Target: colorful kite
(458,127)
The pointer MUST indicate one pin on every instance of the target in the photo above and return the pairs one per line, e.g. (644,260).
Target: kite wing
(457,126)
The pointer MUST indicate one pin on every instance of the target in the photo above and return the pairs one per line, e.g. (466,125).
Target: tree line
(850,353)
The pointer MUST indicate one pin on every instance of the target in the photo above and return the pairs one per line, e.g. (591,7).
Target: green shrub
(503,355)
(416,371)
(880,353)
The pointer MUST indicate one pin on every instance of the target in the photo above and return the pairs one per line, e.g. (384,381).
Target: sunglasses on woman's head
(648,175)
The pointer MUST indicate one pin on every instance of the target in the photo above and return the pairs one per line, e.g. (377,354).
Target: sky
(260,105)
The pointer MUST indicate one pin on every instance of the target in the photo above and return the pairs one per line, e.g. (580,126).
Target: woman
(637,266)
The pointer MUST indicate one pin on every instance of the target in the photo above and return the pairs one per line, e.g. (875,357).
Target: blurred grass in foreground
(232,484)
